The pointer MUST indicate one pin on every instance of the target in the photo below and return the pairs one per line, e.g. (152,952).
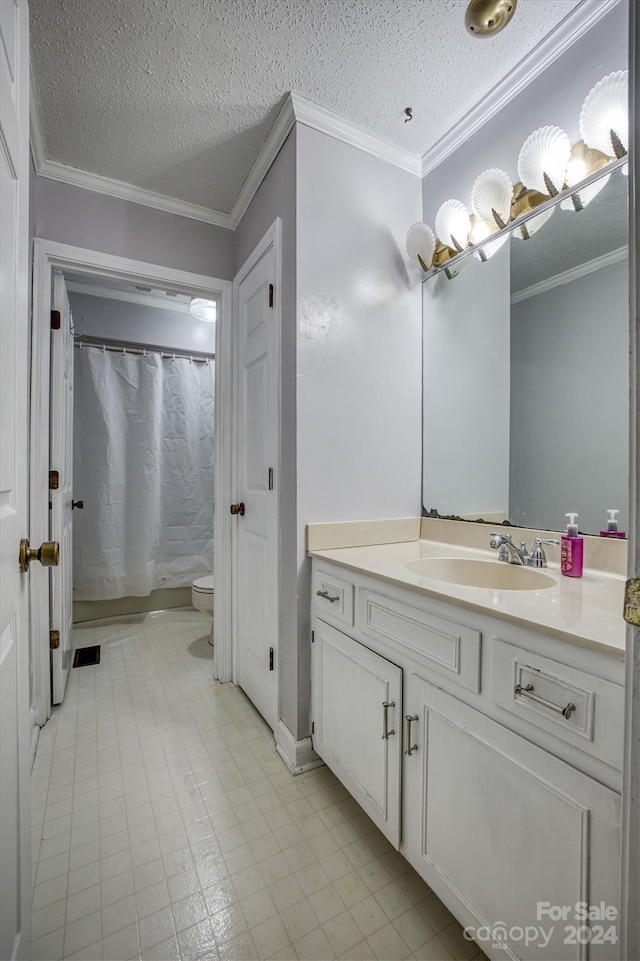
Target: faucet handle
(497,539)
(538,558)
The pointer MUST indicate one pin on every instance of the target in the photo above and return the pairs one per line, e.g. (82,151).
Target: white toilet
(202,598)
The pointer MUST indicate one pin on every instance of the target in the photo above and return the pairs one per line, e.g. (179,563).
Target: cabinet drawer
(449,649)
(332,598)
(538,689)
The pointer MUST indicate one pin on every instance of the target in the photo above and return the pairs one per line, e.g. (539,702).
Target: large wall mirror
(525,374)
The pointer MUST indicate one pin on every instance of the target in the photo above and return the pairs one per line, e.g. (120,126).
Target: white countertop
(585,610)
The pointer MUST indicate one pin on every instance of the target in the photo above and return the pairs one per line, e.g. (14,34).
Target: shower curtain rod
(119,347)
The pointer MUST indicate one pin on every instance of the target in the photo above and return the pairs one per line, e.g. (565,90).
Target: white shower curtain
(143,465)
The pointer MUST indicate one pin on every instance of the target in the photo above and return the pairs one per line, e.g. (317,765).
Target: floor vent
(84,656)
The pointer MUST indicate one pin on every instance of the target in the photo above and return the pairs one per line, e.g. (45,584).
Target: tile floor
(166,827)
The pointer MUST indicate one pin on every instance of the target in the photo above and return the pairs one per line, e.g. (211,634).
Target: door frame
(272,238)
(629,944)
(49,256)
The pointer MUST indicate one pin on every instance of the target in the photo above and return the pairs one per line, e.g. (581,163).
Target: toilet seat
(202,594)
(203,585)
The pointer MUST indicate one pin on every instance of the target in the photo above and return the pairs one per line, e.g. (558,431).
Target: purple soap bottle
(571,549)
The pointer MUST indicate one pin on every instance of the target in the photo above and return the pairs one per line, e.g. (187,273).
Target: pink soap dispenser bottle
(571,549)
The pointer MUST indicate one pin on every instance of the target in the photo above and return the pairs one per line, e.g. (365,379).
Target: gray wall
(465,468)
(276,197)
(555,97)
(136,323)
(358,355)
(569,404)
(84,218)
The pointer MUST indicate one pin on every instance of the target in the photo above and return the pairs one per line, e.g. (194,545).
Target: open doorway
(139,490)
(147,451)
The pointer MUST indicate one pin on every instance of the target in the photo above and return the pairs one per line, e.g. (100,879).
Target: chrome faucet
(511,554)
(508,550)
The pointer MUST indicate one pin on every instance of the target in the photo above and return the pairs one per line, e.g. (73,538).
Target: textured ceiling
(177,96)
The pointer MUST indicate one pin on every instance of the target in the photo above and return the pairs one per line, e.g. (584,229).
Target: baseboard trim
(298,756)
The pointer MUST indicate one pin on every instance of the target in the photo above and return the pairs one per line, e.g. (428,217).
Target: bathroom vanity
(479,727)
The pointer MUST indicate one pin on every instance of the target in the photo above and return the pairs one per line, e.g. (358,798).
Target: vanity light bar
(445,259)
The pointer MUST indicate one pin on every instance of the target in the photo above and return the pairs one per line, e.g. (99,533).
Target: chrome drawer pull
(327,596)
(528,692)
(386,733)
(409,748)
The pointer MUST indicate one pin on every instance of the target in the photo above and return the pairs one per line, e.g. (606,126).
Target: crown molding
(606,260)
(327,122)
(279,132)
(53,170)
(574,26)
(295,109)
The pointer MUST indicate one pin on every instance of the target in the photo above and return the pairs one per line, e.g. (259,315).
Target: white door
(256,581)
(61,460)
(15,854)
(357,722)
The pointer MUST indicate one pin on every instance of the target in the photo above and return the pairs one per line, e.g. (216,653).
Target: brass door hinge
(54,480)
(56,320)
(632,601)
(270,295)
(54,640)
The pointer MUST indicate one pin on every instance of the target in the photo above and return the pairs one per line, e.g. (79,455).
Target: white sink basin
(492,575)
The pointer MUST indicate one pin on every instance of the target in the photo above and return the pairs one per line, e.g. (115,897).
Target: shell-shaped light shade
(491,197)
(421,243)
(545,153)
(533,225)
(606,108)
(453,224)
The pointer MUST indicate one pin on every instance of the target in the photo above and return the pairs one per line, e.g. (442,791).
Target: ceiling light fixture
(202,309)
(485,18)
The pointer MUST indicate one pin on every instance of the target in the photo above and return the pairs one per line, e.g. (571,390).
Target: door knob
(48,554)
(78,504)
(238,509)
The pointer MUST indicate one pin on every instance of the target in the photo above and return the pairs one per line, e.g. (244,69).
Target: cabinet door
(505,832)
(356,735)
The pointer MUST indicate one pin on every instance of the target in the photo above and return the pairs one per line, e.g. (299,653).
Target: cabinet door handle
(528,691)
(327,596)
(386,733)
(409,748)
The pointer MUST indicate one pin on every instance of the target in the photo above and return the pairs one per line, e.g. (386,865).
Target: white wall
(466,372)
(136,323)
(358,349)
(84,218)
(569,345)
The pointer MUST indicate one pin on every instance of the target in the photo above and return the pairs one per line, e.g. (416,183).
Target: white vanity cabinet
(490,795)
